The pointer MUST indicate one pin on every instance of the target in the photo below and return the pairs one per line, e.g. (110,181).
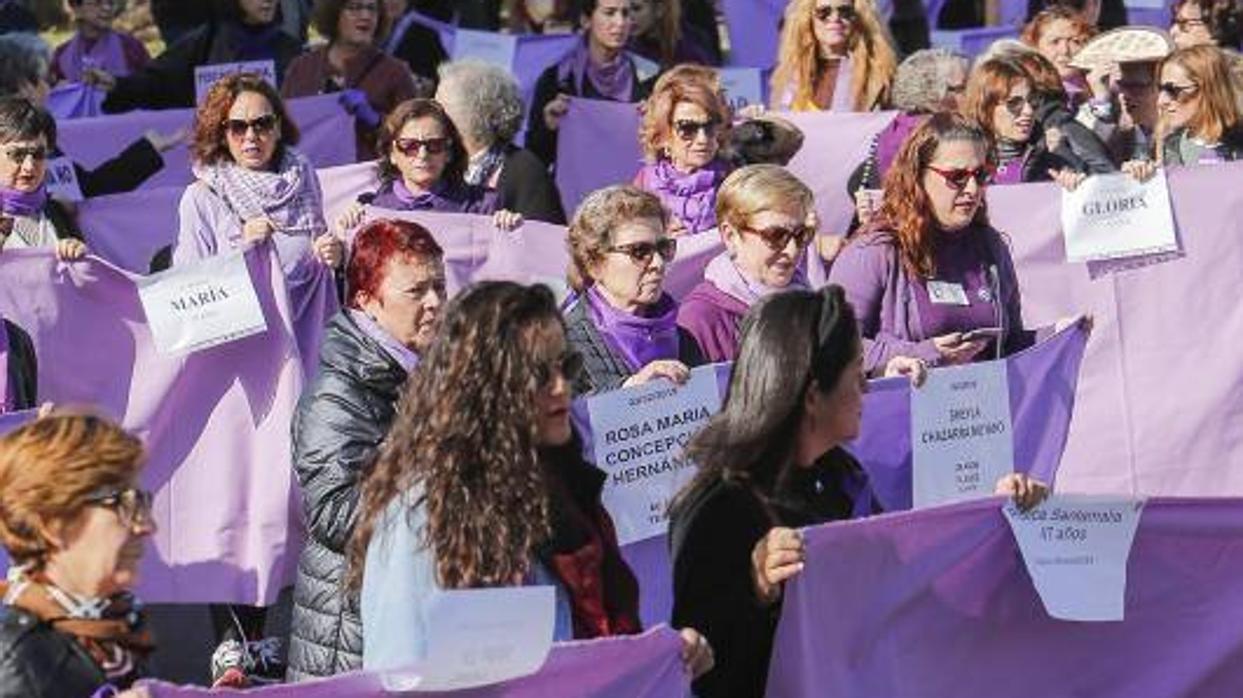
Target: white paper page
(202,304)
(489,47)
(1114,216)
(206,75)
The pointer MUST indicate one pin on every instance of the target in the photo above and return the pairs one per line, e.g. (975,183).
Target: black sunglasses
(411,146)
(569,365)
(18,155)
(846,13)
(957,178)
(263,125)
(1014,105)
(688,129)
(132,505)
(778,237)
(1178,93)
(642,252)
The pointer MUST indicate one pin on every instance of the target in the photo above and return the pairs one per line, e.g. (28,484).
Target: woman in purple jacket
(931,280)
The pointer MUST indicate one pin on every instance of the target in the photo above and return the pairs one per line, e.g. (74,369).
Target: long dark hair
(465,435)
(789,340)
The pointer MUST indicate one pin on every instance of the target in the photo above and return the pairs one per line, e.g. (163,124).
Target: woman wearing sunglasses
(621,321)
(834,55)
(1197,108)
(451,505)
(74,525)
(686,122)
(765,216)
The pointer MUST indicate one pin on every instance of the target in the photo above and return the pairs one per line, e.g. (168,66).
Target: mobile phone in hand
(981,334)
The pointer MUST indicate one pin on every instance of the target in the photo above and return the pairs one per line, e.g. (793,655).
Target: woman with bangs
(1058,33)
(835,55)
(1197,109)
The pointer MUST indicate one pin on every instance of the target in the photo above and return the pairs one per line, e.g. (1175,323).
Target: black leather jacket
(36,661)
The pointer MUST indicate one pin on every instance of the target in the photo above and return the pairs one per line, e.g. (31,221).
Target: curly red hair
(210,145)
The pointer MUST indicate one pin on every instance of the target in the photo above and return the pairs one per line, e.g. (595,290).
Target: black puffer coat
(341,421)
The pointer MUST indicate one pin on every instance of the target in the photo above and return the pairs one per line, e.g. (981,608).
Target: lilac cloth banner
(598,146)
(640,666)
(215,422)
(74,101)
(754,31)
(938,603)
(12,420)
(92,141)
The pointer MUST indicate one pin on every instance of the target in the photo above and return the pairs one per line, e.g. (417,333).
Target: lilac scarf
(613,80)
(106,53)
(403,355)
(690,197)
(638,340)
(725,275)
(290,197)
(23,204)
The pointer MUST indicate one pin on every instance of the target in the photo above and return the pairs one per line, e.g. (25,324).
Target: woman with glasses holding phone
(1197,108)
(621,321)
(450,505)
(834,55)
(686,122)
(74,521)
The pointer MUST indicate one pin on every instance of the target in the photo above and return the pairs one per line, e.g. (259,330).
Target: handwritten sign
(489,47)
(62,180)
(206,75)
(478,637)
(742,86)
(199,305)
(639,434)
(1115,216)
(1076,550)
(961,433)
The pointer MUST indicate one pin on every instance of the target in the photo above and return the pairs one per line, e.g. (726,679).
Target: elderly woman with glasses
(74,522)
(622,321)
(686,123)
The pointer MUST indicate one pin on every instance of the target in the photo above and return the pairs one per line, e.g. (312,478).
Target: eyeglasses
(263,125)
(642,252)
(958,177)
(778,237)
(18,155)
(411,146)
(1178,93)
(1014,105)
(359,8)
(132,505)
(846,13)
(569,365)
(1188,24)
(688,129)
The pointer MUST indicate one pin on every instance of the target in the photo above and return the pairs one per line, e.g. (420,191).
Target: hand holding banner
(1113,216)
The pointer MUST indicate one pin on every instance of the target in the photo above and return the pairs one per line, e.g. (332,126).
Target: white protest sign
(206,75)
(1113,216)
(478,637)
(961,434)
(199,305)
(742,87)
(639,434)
(1076,550)
(489,47)
(62,180)
(644,68)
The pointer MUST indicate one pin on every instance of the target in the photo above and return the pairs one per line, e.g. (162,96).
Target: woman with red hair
(1058,33)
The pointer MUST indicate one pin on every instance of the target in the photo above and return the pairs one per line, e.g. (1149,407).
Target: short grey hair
(922,80)
(24,61)
(489,97)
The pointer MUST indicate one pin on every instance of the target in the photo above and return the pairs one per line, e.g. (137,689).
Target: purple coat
(883,297)
(714,319)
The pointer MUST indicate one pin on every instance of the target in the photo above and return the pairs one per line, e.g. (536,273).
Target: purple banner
(754,31)
(74,101)
(642,666)
(938,603)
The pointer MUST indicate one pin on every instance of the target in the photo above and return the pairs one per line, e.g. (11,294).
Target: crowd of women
(433,446)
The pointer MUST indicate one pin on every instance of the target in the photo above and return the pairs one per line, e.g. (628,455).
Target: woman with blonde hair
(686,124)
(1197,107)
(834,55)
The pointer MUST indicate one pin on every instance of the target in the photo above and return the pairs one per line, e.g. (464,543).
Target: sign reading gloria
(961,433)
(199,305)
(638,435)
(1076,550)
(206,75)
(1114,216)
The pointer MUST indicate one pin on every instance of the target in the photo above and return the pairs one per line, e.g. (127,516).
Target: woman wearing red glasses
(686,122)
(834,55)
(621,321)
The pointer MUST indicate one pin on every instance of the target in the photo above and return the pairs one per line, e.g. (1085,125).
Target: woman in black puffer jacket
(368,352)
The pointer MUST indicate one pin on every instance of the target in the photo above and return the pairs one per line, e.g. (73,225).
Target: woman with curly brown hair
(482,483)
(834,55)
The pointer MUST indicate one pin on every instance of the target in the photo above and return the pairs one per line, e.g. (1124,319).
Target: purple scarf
(690,197)
(398,197)
(106,53)
(725,275)
(638,340)
(403,355)
(23,204)
(6,396)
(614,80)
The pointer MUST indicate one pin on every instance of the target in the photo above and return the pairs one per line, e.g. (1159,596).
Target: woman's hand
(1026,491)
(99,78)
(829,246)
(507,221)
(750,111)
(329,249)
(696,653)
(954,350)
(69,250)
(677,227)
(917,369)
(1140,170)
(554,110)
(164,142)
(257,229)
(675,371)
(867,203)
(777,557)
(1068,179)
(350,218)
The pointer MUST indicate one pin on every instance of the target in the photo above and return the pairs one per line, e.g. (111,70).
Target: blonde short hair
(591,231)
(754,189)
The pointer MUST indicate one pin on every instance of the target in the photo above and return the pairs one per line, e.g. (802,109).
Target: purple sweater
(714,319)
(884,298)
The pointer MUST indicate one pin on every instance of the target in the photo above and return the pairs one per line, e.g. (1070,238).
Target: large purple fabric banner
(938,603)
(74,101)
(642,666)
(91,141)
(215,422)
